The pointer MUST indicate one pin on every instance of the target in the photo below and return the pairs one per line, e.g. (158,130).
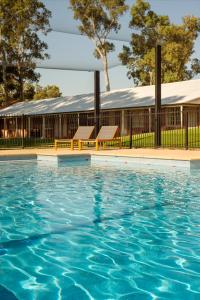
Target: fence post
(186,131)
(23,131)
(131,132)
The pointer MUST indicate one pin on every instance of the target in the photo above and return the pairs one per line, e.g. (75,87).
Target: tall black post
(158,97)
(97,101)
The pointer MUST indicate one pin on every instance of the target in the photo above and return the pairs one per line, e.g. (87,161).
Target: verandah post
(97,101)
(131,132)
(22,131)
(158,96)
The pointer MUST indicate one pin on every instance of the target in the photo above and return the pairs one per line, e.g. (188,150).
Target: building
(60,117)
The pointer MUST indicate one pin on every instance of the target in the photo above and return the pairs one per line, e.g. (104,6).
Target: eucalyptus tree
(98,18)
(177,42)
(12,83)
(47,92)
(22,27)
(5,31)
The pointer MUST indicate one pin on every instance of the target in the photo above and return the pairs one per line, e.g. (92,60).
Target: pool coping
(148,161)
(144,161)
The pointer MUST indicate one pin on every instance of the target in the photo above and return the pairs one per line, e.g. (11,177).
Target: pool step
(10,157)
(63,158)
(190,164)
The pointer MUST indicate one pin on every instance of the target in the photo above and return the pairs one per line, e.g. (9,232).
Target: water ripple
(82,232)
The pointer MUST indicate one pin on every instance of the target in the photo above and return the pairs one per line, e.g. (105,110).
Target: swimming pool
(81,231)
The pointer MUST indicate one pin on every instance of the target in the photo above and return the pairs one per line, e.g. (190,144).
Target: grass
(175,138)
(28,143)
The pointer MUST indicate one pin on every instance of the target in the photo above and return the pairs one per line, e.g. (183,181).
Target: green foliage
(196,66)
(22,46)
(14,87)
(29,91)
(50,91)
(98,18)
(177,43)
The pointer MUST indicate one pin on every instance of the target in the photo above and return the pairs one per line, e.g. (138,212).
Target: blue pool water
(97,232)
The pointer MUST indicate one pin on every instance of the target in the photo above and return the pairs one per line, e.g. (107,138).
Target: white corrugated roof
(172,93)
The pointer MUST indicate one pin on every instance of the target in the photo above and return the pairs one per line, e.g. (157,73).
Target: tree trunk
(151,81)
(106,75)
(21,87)
(4,72)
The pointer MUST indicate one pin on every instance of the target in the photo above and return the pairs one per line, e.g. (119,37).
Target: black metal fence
(179,129)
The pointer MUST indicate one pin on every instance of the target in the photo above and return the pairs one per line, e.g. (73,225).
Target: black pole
(158,97)
(97,101)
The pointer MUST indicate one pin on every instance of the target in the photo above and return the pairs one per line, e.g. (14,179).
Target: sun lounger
(106,134)
(83,133)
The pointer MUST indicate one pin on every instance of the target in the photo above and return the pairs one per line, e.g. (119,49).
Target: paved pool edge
(116,159)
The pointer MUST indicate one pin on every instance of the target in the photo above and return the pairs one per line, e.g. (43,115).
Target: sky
(71,51)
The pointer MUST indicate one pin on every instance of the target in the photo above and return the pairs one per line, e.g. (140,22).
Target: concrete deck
(137,153)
